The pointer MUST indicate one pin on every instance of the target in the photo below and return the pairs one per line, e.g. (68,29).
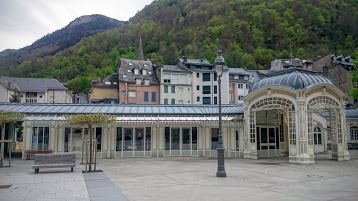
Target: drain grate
(5,186)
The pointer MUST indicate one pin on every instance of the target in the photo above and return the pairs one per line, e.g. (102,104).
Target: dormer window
(135,72)
(146,82)
(138,81)
(144,71)
(246,77)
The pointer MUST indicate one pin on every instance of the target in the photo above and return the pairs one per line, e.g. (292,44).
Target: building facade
(175,85)
(239,85)
(138,82)
(34,90)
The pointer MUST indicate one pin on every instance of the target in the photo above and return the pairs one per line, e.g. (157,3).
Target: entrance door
(268,141)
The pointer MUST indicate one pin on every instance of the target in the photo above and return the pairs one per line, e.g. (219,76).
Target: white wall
(181,82)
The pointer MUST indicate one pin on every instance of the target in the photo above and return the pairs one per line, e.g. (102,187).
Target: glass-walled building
(294,113)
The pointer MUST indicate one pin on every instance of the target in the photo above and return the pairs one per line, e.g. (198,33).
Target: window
(165,101)
(197,87)
(166,80)
(214,138)
(317,135)
(240,98)
(40,138)
(248,86)
(198,98)
(215,89)
(146,82)
(154,96)
(144,72)
(206,77)
(165,88)
(146,98)
(240,86)
(215,100)
(215,77)
(99,138)
(206,100)
(206,90)
(31,97)
(138,81)
(236,77)
(173,101)
(136,71)
(132,94)
(197,75)
(173,89)
(119,139)
(354,133)
(246,77)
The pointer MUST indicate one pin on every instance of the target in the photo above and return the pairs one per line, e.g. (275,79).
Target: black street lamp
(219,67)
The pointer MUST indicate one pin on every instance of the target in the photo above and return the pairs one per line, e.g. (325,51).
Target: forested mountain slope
(250,32)
(66,37)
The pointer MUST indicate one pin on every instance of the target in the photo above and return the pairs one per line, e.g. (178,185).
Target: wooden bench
(54,161)
(36,151)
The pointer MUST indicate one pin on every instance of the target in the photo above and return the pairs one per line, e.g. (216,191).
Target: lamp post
(219,67)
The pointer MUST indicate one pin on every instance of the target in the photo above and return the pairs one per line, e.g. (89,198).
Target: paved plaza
(184,178)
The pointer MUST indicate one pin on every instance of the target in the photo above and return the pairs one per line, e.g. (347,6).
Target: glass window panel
(175,138)
(186,139)
(263,135)
(119,139)
(67,139)
(99,138)
(139,139)
(167,138)
(272,135)
(40,136)
(34,138)
(46,138)
(237,140)
(76,139)
(194,141)
(128,139)
(148,138)
(214,138)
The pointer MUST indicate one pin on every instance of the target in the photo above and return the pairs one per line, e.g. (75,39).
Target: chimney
(185,59)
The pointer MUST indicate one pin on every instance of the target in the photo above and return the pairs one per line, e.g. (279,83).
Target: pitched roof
(239,71)
(34,84)
(174,68)
(127,66)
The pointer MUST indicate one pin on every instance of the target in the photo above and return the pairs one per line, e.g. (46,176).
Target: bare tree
(90,120)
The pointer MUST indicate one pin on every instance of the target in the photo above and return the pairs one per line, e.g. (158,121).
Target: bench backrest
(55,159)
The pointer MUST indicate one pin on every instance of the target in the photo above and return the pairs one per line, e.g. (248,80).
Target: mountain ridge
(58,40)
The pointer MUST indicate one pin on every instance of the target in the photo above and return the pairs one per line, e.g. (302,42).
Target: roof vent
(130,64)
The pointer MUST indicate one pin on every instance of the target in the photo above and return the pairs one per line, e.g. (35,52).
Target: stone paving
(185,178)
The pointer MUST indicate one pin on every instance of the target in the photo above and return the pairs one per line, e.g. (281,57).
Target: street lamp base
(221,173)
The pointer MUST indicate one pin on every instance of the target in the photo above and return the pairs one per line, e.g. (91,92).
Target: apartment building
(175,85)
(204,81)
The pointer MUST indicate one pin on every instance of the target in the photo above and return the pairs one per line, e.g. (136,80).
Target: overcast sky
(22,22)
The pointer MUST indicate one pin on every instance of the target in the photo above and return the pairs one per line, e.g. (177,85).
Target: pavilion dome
(294,78)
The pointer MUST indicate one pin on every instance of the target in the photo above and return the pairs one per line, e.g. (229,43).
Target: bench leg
(71,169)
(36,171)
